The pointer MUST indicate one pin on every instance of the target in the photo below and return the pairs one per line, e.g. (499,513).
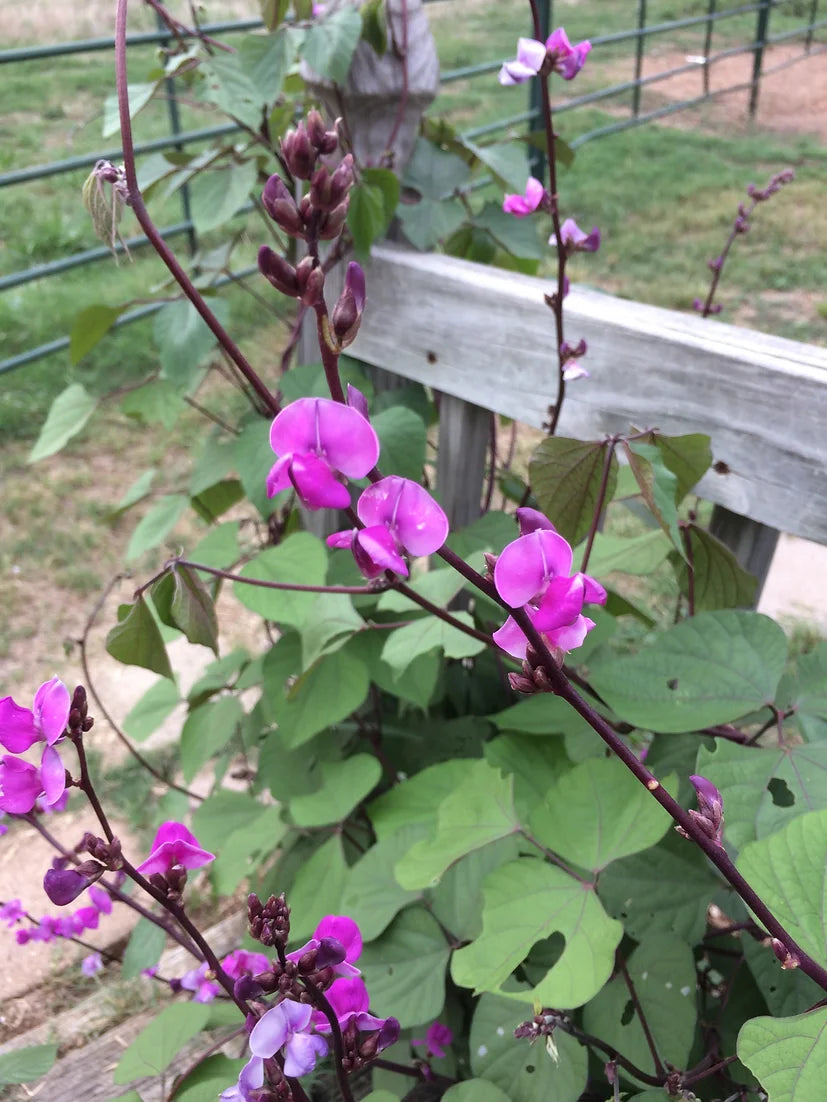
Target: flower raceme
(533,57)
(534,572)
(21,783)
(316,439)
(399,515)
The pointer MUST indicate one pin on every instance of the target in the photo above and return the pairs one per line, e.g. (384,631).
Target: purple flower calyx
(534,58)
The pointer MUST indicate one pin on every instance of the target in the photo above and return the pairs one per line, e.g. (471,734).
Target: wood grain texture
(485,335)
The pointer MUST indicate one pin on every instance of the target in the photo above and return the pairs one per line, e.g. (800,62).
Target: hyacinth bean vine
(506,837)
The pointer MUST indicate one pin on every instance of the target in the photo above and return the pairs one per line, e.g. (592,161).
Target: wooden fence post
(752,543)
(464,432)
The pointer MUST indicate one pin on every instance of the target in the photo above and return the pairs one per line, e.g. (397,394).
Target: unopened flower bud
(245,987)
(347,313)
(310,281)
(278,271)
(330,953)
(787,959)
(331,224)
(328,191)
(324,140)
(281,206)
(521,684)
(358,401)
(298,152)
(63,886)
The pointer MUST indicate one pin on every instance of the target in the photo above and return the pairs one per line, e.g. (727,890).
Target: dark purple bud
(389,1033)
(741,224)
(281,206)
(324,140)
(298,152)
(716,308)
(331,224)
(310,281)
(245,987)
(710,814)
(715,263)
(330,953)
(278,271)
(697,305)
(347,313)
(328,191)
(63,886)
(786,959)
(175,985)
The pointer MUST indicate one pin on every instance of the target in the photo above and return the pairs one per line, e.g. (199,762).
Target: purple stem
(610,446)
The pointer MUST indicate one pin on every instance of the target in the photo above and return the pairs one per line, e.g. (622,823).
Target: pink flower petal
(20,785)
(52,775)
(561,604)
(526,564)
(316,484)
(572,635)
(511,639)
(595,593)
(301,1053)
(51,709)
(279,477)
(17,727)
(376,551)
(345,930)
(350,441)
(532,519)
(531,53)
(408,510)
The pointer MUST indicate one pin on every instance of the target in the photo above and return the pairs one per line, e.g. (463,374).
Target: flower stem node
(787,960)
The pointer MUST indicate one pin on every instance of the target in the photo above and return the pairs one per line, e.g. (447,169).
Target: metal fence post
(761,28)
(536,159)
(710,23)
(641,25)
(175,126)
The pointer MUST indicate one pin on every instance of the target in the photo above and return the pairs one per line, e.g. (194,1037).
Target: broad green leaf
(328,46)
(344,785)
(381,1096)
(433,172)
(240,852)
(536,764)
(426,634)
(208,1079)
(136,640)
(658,485)
(325,694)
(566,476)
(219,548)
(157,703)
(213,502)
(266,59)
(153,529)
(667,888)
(374,25)
(300,559)
(253,459)
(418,684)
(231,89)
(184,339)
(221,814)
(415,800)
(136,492)
(599,812)
(159,1043)
(430,221)
(287,773)
(155,403)
(274,11)
(478,811)
(688,457)
(439,586)
(517,236)
(662,970)
(543,714)
(526,1072)
(207,730)
(404,969)
(138,95)
(22,1065)
(457,900)
(788,870)
(144,948)
(366,218)
(89,327)
(475,1090)
(764,789)
(67,415)
(213,463)
(218,193)
(719,580)
(192,608)
(713,668)
(332,620)
(491,532)
(373,897)
(505,160)
(636,555)
(787,1055)
(401,433)
(318,888)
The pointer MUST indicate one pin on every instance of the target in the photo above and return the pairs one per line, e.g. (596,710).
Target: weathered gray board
(486,336)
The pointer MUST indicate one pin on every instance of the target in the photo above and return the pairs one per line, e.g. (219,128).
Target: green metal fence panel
(637,36)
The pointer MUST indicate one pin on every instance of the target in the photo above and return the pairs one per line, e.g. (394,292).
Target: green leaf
(719,580)
(217,194)
(788,870)
(415,800)
(219,548)
(373,897)
(89,327)
(764,789)
(332,620)
(566,476)
(537,764)
(374,26)
(139,96)
(404,969)
(328,46)
(192,608)
(317,889)
(439,586)
(527,901)
(184,339)
(543,714)
(712,668)
(599,812)
(365,218)
(274,11)
(402,435)
(266,59)
(228,85)
(505,160)
(475,1090)
(155,403)
(221,814)
(325,694)
(478,811)
(658,485)
(147,715)
(427,634)
(240,852)
(433,172)
(344,785)
(207,730)
(688,457)
(217,499)
(68,413)
(253,459)
(664,889)
(430,221)
(136,492)
(155,1047)
(662,970)
(136,640)
(786,991)
(457,900)
(207,1080)
(517,236)
(144,948)
(787,1055)
(22,1065)
(300,559)
(153,529)
(527,1073)
(638,555)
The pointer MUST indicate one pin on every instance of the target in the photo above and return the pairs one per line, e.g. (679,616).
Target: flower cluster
(535,58)
(49,927)
(295,1030)
(533,572)
(22,784)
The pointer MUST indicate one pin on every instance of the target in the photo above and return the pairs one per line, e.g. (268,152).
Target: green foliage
(24,1064)
(566,476)
(69,413)
(160,1042)
(143,950)
(789,1055)
(136,639)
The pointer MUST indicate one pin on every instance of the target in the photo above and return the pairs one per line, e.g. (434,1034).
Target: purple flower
(521,205)
(250,1079)
(314,438)
(533,572)
(436,1040)
(12,912)
(101,900)
(20,728)
(86,918)
(63,886)
(399,515)
(286,1027)
(335,931)
(575,240)
(201,982)
(557,55)
(174,845)
(573,371)
(350,1000)
(20,785)
(91,964)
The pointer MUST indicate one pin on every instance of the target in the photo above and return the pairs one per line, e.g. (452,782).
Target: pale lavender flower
(91,964)
(286,1028)
(575,240)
